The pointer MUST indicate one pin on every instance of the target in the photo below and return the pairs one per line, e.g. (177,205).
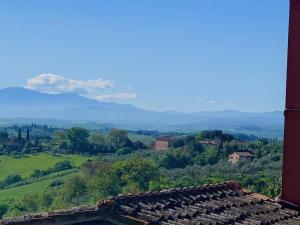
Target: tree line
(26,140)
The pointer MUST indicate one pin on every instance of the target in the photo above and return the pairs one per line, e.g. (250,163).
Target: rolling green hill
(34,188)
(25,165)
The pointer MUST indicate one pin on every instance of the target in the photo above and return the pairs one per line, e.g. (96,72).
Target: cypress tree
(19,135)
(27,135)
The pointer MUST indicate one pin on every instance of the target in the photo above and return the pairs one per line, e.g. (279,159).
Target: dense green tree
(176,159)
(119,138)
(78,138)
(178,143)
(104,181)
(97,139)
(27,135)
(19,135)
(3,138)
(75,189)
(136,170)
(124,151)
(137,145)
(60,140)
(215,134)
(211,155)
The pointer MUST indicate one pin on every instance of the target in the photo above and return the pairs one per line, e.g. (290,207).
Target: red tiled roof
(164,139)
(216,204)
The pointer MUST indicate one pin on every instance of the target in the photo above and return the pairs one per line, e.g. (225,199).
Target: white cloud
(118,96)
(55,84)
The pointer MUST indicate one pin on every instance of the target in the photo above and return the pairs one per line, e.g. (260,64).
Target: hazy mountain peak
(16,102)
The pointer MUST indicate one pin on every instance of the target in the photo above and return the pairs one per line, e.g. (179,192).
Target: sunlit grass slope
(25,165)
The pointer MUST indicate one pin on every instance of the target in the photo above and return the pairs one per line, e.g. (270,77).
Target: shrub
(31,202)
(124,151)
(56,183)
(11,179)
(65,165)
(60,166)
(75,189)
(3,209)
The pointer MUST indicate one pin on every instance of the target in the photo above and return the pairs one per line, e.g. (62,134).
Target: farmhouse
(237,156)
(162,143)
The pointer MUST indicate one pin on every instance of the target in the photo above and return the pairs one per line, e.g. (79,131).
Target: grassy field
(25,165)
(38,187)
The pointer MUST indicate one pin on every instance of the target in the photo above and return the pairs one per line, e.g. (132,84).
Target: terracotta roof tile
(218,204)
(214,204)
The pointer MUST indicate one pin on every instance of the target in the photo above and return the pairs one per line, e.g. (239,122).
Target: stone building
(237,156)
(162,143)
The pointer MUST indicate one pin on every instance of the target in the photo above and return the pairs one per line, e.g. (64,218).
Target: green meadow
(26,164)
(34,188)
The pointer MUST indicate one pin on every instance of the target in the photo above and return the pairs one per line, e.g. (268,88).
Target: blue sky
(190,55)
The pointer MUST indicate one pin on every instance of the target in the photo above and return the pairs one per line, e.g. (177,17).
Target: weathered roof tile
(216,204)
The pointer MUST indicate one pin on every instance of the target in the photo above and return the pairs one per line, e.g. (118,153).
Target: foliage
(97,139)
(31,203)
(136,170)
(74,189)
(35,139)
(129,170)
(119,138)
(56,183)
(215,134)
(175,159)
(103,180)
(38,187)
(124,151)
(78,138)
(24,165)
(59,166)
(3,209)
(11,179)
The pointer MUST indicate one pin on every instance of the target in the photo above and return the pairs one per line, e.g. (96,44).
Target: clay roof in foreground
(225,203)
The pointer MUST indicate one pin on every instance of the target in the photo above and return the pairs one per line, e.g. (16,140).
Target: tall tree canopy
(119,138)
(78,138)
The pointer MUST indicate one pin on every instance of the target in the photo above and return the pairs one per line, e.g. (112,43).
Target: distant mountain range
(23,105)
